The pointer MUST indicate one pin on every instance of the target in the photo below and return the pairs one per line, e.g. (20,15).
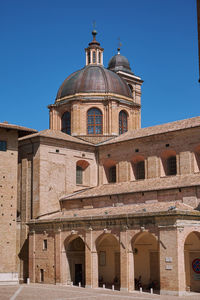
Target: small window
(123,124)
(112,174)
(89,58)
(79,175)
(94,57)
(44,244)
(99,57)
(171,165)
(41,275)
(3,145)
(140,170)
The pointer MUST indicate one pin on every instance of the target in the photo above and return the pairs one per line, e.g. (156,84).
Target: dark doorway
(78,274)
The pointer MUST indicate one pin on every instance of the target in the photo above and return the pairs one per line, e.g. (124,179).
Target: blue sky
(43,41)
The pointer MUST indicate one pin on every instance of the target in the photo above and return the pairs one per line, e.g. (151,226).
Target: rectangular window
(44,244)
(79,175)
(94,57)
(3,145)
(112,174)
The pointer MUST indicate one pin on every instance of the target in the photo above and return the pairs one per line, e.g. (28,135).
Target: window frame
(3,145)
(93,124)
(66,120)
(112,174)
(171,165)
(79,175)
(123,117)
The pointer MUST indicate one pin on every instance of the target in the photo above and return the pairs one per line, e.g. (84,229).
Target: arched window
(82,172)
(94,57)
(94,121)
(66,123)
(79,175)
(131,87)
(171,165)
(112,174)
(123,124)
(89,57)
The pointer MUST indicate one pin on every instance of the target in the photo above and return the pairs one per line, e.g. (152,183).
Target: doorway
(78,274)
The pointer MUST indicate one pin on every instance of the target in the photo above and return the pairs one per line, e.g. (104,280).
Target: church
(100,201)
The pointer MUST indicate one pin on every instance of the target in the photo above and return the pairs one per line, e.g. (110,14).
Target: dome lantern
(94,53)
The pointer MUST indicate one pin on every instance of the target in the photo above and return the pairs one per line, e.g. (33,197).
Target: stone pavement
(55,292)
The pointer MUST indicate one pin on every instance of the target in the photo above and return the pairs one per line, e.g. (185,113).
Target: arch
(123,122)
(138,167)
(66,123)
(110,171)
(145,249)
(192,261)
(74,262)
(94,121)
(197,159)
(108,251)
(168,163)
(82,172)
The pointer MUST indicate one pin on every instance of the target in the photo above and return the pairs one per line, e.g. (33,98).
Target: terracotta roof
(168,182)
(17,127)
(56,134)
(158,129)
(138,209)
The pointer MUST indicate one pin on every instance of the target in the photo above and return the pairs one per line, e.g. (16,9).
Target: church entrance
(146,262)
(108,261)
(192,261)
(75,269)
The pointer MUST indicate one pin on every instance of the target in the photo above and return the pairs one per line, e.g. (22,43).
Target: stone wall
(8,206)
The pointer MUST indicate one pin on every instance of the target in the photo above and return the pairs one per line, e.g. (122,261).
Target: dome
(94,79)
(119,63)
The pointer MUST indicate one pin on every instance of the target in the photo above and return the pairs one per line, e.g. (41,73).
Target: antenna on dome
(94,24)
(94,32)
(119,46)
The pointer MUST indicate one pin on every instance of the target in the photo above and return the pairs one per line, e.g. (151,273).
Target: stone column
(57,256)
(126,264)
(123,171)
(74,119)
(91,261)
(32,256)
(185,162)
(152,167)
(172,266)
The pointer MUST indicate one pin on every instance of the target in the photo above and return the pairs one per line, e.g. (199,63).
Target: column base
(173,293)
(9,278)
(122,289)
